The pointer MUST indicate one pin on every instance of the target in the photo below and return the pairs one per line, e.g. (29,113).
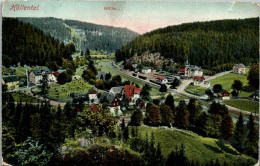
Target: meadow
(62,92)
(23,98)
(196,89)
(246,105)
(196,147)
(227,80)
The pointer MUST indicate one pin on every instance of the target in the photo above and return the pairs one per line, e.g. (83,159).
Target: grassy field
(196,89)
(21,71)
(23,98)
(105,66)
(79,71)
(196,147)
(246,105)
(227,80)
(62,92)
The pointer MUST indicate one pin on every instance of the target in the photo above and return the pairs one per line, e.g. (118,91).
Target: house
(161,80)
(192,71)
(146,71)
(54,76)
(36,75)
(11,81)
(113,101)
(200,81)
(93,95)
(224,95)
(181,71)
(132,92)
(239,69)
(94,108)
(116,90)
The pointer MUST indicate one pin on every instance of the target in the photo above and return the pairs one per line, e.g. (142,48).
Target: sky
(140,17)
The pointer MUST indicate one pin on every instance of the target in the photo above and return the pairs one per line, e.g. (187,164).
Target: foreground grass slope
(196,147)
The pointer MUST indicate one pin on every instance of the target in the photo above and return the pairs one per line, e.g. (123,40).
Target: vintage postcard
(130,83)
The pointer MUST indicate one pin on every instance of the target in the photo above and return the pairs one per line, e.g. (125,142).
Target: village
(188,82)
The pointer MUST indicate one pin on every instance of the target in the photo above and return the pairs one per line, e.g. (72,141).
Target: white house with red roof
(200,81)
(132,92)
(93,95)
(161,80)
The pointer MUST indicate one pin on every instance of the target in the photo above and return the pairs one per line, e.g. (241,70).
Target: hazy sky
(137,16)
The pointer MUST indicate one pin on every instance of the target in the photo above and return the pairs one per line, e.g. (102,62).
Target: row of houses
(112,97)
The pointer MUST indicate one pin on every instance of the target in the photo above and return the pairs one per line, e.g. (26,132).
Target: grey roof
(193,67)
(109,96)
(93,88)
(11,78)
(117,89)
(240,65)
(39,71)
(61,70)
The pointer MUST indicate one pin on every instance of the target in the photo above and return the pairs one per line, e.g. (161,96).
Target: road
(181,91)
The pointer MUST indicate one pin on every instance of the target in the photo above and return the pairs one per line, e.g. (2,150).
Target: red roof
(130,90)
(199,78)
(94,107)
(181,71)
(160,78)
(56,74)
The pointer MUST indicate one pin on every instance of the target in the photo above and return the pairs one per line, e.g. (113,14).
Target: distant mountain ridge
(211,44)
(83,34)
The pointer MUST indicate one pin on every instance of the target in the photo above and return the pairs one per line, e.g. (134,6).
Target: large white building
(192,71)
(36,75)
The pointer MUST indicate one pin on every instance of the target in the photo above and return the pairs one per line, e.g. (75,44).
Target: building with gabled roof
(239,69)
(132,92)
(161,80)
(192,71)
(11,81)
(116,90)
(35,75)
(93,95)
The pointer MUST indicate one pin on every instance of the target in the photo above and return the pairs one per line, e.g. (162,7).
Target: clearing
(246,105)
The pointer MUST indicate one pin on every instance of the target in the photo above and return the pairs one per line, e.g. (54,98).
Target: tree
(163,88)
(170,101)
(136,118)
(32,153)
(238,140)
(145,93)
(153,117)
(213,125)
(62,78)
(209,93)
(182,115)
(87,53)
(253,76)
(116,80)
(237,85)
(108,76)
(44,84)
(217,88)
(89,76)
(227,127)
(252,137)
(92,67)
(176,82)
(167,117)
(99,84)
(217,108)
(194,108)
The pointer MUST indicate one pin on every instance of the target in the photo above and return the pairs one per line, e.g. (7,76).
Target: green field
(196,89)
(246,105)
(196,147)
(21,71)
(62,92)
(227,80)
(23,98)
(105,66)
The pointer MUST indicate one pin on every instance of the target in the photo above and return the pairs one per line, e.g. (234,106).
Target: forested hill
(207,44)
(25,44)
(84,35)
